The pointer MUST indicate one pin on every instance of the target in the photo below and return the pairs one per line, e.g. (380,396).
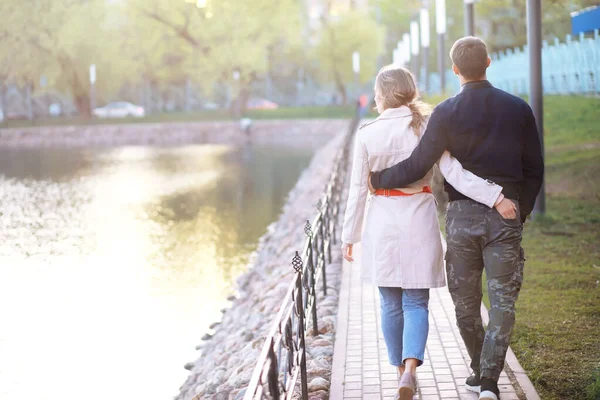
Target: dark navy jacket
(491,132)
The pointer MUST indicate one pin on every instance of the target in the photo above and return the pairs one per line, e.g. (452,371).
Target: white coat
(401,245)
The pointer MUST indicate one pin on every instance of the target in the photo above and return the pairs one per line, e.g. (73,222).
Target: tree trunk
(239,104)
(82,102)
(28,101)
(341,88)
(2,102)
(81,96)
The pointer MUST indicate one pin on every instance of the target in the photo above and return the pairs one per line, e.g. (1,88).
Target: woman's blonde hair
(395,87)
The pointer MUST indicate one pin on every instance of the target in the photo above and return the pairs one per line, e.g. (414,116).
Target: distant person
(493,134)
(246,127)
(401,244)
(363,102)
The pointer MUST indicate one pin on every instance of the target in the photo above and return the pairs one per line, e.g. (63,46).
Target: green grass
(316,112)
(557,332)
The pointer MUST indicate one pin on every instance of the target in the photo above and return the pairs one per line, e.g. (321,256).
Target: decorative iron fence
(283,357)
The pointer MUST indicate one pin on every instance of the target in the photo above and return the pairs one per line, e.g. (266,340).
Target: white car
(119,109)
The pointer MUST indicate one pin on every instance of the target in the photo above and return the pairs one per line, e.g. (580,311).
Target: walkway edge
(338,366)
(516,368)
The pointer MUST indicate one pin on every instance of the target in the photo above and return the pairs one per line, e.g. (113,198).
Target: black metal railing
(283,357)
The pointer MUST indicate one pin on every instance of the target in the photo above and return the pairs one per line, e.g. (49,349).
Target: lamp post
(440,27)
(406,48)
(92,87)
(425,41)
(396,57)
(356,69)
(414,46)
(536,99)
(469,18)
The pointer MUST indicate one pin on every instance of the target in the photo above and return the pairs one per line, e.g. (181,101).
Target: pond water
(114,262)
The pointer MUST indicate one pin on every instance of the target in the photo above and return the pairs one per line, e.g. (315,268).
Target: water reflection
(113,262)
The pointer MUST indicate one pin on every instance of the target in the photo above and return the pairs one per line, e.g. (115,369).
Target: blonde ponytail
(420,113)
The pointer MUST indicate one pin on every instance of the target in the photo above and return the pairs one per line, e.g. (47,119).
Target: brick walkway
(360,364)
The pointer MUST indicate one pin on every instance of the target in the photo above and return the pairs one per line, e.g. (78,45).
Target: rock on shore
(228,357)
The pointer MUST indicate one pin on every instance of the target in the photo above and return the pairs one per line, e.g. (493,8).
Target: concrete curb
(338,366)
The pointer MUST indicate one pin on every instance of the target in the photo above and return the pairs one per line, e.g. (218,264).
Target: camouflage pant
(478,237)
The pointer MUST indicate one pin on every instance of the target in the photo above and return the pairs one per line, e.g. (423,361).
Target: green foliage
(593,390)
(504,20)
(59,40)
(165,42)
(339,38)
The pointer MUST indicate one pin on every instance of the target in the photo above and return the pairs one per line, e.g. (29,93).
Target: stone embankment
(228,356)
(290,132)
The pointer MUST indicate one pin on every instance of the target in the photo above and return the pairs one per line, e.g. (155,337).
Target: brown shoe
(407,387)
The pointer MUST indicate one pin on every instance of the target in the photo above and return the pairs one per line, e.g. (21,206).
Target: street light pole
(356,69)
(414,47)
(425,39)
(469,18)
(440,27)
(92,87)
(536,97)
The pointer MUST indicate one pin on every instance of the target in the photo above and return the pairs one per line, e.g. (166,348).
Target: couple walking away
(485,142)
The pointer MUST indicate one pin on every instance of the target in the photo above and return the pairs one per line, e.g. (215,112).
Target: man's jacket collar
(476,85)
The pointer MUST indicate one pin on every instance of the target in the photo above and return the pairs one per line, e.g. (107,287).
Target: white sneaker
(487,395)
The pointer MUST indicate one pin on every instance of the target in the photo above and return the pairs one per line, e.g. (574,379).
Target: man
(494,135)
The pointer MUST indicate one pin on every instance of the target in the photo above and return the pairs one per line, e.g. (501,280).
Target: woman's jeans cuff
(418,358)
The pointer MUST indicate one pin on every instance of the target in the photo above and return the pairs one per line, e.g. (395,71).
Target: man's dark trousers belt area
(480,239)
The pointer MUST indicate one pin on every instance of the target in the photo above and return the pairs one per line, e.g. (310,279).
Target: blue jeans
(405,323)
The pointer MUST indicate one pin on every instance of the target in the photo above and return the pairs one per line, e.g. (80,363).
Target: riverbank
(301,133)
(228,355)
(286,113)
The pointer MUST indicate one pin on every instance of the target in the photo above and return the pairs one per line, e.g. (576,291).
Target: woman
(401,240)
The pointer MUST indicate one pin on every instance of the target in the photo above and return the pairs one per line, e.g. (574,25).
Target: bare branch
(181,31)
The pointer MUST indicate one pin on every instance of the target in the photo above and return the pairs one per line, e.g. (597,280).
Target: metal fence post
(311,275)
(299,310)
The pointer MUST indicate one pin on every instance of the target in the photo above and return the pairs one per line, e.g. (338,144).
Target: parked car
(119,109)
(210,106)
(261,104)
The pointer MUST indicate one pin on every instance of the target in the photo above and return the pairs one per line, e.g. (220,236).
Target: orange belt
(395,192)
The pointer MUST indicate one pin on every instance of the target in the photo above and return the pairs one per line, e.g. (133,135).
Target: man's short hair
(470,55)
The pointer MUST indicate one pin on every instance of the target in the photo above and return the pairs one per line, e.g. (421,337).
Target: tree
(338,39)
(507,20)
(226,41)
(59,40)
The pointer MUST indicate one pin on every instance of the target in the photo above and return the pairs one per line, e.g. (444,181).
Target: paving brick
(446,385)
(370,367)
(428,390)
(426,383)
(444,378)
(372,396)
(371,388)
(448,394)
(353,385)
(389,384)
(389,377)
(350,394)
(371,381)
(441,371)
(371,374)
